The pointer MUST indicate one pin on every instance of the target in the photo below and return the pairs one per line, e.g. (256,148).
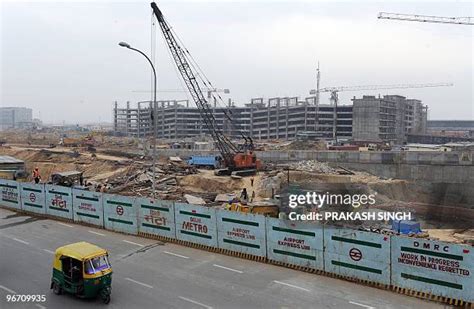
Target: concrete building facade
(15,117)
(274,118)
(368,119)
(387,119)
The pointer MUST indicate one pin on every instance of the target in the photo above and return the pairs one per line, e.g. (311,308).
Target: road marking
(49,251)
(7,289)
(140,283)
(64,224)
(40,306)
(231,269)
(291,285)
(175,254)
(194,302)
(362,305)
(133,243)
(97,233)
(22,241)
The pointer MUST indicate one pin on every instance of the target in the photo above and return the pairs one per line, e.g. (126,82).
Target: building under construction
(369,119)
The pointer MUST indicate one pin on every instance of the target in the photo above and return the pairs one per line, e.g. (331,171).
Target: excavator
(236,160)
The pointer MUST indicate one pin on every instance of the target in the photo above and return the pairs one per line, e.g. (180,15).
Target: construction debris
(312,166)
(191,199)
(139,179)
(225,197)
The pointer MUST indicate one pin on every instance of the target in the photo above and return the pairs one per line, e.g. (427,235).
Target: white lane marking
(194,302)
(362,305)
(133,243)
(291,285)
(231,269)
(40,306)
(97,233)
(64,224)
(7,289)
(49,251)
(175,254)
(22,241)
(140,283)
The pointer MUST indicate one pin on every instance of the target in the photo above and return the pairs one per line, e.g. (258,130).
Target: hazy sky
(62,58)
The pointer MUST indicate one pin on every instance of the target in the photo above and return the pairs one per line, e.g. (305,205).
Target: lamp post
(153,113)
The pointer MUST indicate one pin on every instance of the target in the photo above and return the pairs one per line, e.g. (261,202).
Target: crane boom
(428,19)
(376,87)
(238,161)
(225,146)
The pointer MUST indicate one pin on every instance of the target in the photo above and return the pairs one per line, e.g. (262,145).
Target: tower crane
(428,19)
(236,160)
(335,97)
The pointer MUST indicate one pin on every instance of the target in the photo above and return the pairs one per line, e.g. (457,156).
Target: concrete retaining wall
(439,167)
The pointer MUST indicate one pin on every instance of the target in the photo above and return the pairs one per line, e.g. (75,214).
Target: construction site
(218,176)
(119,166)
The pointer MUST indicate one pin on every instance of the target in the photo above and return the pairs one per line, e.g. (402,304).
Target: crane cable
(204,79)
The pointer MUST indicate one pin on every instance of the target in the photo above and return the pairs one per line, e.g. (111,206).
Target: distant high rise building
(15,117)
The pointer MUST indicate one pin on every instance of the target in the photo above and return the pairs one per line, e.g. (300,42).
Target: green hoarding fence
(33,197)
(120,213)
(156,217)
(87,207)
(241,232)
(296,243)
(58,201)
(435,267)
(10,194)
(357,254)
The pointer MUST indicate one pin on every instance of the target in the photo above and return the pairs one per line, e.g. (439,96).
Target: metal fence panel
(296,243)
(87,207)
(120,213)
(156,217)
(196,224)
(435,267)
(357,254)
(32,197)
(10,193)
(58,201)
(241,232)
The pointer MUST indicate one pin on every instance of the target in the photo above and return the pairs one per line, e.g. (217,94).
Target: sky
(63,60)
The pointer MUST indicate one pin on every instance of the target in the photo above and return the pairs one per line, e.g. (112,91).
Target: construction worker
(36,175)
(243,195)
(252,197)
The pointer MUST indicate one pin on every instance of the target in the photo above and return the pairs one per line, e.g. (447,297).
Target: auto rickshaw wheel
(106,299)
(56,289)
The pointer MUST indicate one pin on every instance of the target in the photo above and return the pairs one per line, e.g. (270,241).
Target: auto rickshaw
(82,269)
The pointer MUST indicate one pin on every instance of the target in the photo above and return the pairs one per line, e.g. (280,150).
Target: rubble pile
(138,181)
(313,166)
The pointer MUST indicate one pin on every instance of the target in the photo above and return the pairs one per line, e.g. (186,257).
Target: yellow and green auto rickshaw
(82,269)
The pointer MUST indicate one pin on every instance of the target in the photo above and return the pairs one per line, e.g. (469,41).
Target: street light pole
(153,114)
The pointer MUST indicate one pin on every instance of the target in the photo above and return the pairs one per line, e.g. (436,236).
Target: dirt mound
(206,182)
(50,162)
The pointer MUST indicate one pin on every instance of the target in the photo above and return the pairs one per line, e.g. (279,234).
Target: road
(152,274)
